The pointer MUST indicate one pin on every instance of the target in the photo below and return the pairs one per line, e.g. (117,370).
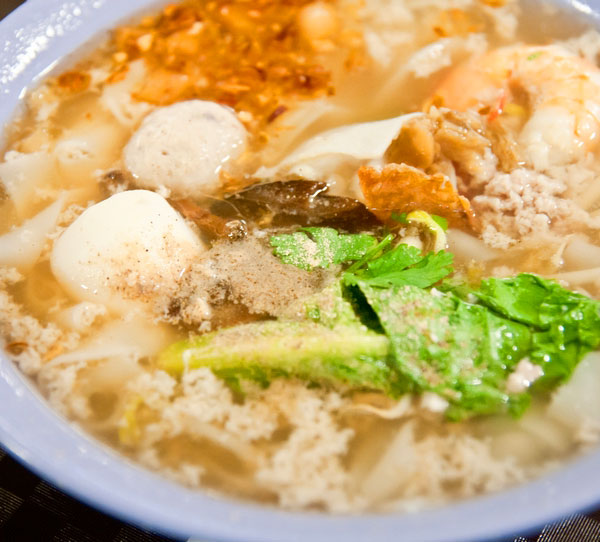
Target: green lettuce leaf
(567,323)
(461,351)
(344,355)
(383,326)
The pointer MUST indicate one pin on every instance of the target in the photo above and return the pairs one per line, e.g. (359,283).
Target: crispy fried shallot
(250,56)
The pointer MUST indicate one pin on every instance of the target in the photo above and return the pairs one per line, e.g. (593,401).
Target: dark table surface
(32,510)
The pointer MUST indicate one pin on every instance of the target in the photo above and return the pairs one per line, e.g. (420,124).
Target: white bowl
(37,36)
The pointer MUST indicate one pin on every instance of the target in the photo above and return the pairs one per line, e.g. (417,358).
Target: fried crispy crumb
(402,188)
(74,81)
(251,56)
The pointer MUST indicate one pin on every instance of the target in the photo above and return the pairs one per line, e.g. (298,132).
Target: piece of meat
(527,203)
(505,146)
(446,140)
(184,147)
(461,138)
(414,145)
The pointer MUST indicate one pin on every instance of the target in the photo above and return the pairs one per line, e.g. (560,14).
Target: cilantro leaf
(403,265)
(377,263)
(320,247)
(401,257)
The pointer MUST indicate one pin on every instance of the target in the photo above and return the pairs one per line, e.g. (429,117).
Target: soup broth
(145,191)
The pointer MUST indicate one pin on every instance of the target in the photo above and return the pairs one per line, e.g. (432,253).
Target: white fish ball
(184,147)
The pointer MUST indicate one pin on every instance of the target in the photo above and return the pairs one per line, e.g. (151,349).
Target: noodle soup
(159,288)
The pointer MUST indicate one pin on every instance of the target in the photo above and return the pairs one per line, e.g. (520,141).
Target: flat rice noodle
(428,61)
(393,468)
(576,278)
(580,254)
(246,453)
(296,125)
(578,401)
(22,173)
(116,97)
(397,410)
(528,439)
(86,147)
(133,338)
(105,378)
(467,247)
(108,375)
(22,246)
(508,439)
(550,434)
(81,316)
(588,199)
(362,141)
(328,151)
(401,188)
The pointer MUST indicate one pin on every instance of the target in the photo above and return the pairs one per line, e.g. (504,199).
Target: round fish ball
(184,146)
(126,252)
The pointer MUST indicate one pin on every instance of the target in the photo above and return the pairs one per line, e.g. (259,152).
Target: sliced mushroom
(297,202)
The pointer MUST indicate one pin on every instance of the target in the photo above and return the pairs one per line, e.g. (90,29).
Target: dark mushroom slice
(210,224)
(297,202)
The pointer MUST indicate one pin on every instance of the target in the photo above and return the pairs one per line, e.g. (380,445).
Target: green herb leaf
(320,247)
(403,265)
(401,218)
(457,341)
(441,221)
(378,250)
(567,324)
(400,257)
(347,355)
(440,343)
(465,350)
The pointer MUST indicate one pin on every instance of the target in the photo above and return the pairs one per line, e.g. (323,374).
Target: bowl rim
(38,35)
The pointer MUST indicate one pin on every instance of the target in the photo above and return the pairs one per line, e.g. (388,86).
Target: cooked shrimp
(556,93)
